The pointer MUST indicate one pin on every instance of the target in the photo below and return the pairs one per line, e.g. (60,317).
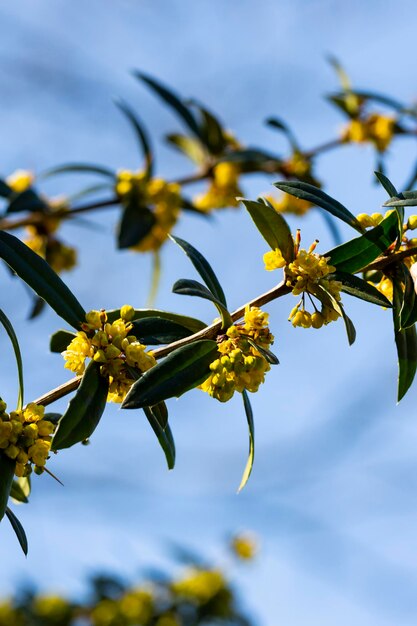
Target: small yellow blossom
(20,180)
(163,198)
(223,190)
(377,129)
(199,586)
(25,437)
(111,345)
(298,166)
(240,365)
(274,260)
(244,546)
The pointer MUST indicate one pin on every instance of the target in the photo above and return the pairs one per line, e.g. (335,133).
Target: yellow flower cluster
(135,606)
(383,283)
(59,256)
(20,180)
(376,128)
(298,166)
(306,274)
(110,345)
(163,197)
(240,365)
(223,190)
(289,204)
(199,586)
(25,437)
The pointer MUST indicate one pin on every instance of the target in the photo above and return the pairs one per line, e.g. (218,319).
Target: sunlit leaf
(273,228)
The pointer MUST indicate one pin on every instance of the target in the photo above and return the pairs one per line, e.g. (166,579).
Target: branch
(206,333)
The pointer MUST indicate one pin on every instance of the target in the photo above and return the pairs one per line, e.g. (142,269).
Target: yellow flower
(199,586)
(274,260)
(244,546)
(162,197)
(377,129)
(240,365)
(223,190)
(25,437)
(20,180)
(113,347)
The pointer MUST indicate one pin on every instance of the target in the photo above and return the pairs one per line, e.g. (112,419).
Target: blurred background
(332,494)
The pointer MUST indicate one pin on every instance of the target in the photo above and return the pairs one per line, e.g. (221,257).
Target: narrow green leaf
(164,436)
(203,267)
(186,287)
(280,125)
(386,183)
(26,201)
(330,301)
(269,356)
(399,202)
(135,224)
(350,328)
(355,286)
(191,323)
(4,320)
(251,426)
(316,196)
(157,330)
(408,314)
(7,467)
(172,100)
(353,255)
(212,133)
(5,190)
(41,278)
(273,228)
(180,371)
(406,342)
(84,410)
(79,168)
(189,146)
(251,159)
(19,530)
(141,134)
(18,493)
(160,411)
(60,340)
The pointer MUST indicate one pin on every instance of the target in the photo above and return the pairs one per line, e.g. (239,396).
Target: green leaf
(188,322)
(251,426)
(406,342)
(330,301)
(350,328)
(186,287)
(409,198)
(316,196)
(212,134)
(5,190)
(280,125)
(181,370)
(386,184)
(203,267)
(269,356)
(355,286)
(408,314)
(19,530)
(26,201)
(60,340)
(160,412)
(172,100)
(188,146)
(84,410)
(157,330)
(251,159)
(141,134)
(18,493)
(135,224)
(79,168)
(164,436)
(7,467)
(41,278)
(273,228)
(4,320)
(353,255)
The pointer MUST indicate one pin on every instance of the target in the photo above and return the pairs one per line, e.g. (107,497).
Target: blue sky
(332,494)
